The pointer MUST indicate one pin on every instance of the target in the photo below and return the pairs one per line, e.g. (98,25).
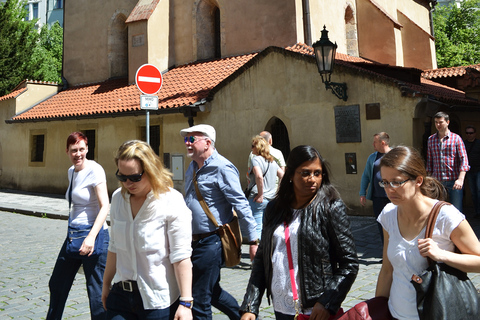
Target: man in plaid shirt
(447,159)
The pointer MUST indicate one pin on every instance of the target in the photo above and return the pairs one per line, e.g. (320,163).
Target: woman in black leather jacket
(324,255)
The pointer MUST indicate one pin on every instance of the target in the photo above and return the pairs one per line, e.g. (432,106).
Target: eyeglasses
(192,139)
(469,132)
(393,184)
(132,177)
(308,174)
(253,146)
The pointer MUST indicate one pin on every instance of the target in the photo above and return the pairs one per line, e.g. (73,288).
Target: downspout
(432,9)
(306,24)
(64,80)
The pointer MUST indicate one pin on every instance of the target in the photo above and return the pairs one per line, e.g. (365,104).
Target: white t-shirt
(406,259)
(282,295)
(148,245)
(85,206)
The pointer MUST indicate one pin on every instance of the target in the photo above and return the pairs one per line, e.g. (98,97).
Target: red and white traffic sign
(148,79)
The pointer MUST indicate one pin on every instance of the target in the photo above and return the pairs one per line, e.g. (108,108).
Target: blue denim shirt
(219,184)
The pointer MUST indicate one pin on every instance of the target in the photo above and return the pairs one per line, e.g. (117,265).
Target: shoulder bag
(372,309)
(444,292)
(249,190)
(298,315)
(229,233)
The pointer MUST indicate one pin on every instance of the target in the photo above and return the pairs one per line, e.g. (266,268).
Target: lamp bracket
(338,89)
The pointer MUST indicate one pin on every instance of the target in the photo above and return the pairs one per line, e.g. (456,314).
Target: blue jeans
(62,279)
(257,211)
(207,260)
(124,305)
(473,179)
(454,196)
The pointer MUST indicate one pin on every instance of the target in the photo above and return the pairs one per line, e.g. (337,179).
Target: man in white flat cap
(219,184)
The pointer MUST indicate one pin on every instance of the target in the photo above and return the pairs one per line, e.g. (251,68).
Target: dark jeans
(207,261)
(124,305)
(454,196)
(378,204)
(62,279)
(473,179)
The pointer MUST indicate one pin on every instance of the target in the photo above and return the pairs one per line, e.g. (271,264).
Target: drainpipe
(432,9)
(306,24)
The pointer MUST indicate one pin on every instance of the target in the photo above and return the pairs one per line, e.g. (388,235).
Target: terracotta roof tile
(448,72)
(307,50)
(182,86)
(13,94)
(142,11)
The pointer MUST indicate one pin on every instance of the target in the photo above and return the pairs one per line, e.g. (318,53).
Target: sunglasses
(469,132)
(192,139)
(132,177)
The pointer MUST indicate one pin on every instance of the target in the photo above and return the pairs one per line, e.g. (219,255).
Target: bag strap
(70,196)
(254,182)
(432,218)
(202,201)
(292,271)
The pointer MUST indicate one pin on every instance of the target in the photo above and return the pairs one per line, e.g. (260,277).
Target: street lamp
(325,55)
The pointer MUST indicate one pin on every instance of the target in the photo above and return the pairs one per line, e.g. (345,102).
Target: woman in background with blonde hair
(149,253)
(262,178)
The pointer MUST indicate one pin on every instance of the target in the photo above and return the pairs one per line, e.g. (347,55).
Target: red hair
(76,137)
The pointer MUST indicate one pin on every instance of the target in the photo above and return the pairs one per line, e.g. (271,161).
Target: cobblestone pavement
(30,241)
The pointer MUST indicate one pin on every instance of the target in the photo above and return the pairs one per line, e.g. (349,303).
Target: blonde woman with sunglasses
(149,254)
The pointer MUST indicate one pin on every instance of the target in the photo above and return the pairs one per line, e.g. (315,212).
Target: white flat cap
(206,129)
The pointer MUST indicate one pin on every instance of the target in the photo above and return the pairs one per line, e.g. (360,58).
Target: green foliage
(457,34)
(25,51)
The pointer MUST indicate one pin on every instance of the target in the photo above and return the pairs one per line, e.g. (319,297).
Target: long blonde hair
(263,148)
(160,178)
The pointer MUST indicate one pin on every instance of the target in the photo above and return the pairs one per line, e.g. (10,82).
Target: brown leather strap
(432,218)
(202,201)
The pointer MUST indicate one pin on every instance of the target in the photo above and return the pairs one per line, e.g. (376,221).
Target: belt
(128,286)
(199,236)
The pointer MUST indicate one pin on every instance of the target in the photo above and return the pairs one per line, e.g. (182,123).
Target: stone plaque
(347,124)
(372,111)
(138,40)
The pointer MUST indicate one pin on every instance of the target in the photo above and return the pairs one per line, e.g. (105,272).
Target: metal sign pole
(148,126)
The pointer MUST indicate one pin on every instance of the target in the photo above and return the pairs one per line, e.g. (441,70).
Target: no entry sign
(148,79)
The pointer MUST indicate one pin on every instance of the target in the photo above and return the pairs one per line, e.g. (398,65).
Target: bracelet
(186,304)
(186,299)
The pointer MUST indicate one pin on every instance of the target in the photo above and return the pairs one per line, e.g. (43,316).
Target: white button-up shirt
(147,246)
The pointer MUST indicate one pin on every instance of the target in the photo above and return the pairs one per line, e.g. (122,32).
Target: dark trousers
(207,261)
(378,204)
(62,279)
(473,179)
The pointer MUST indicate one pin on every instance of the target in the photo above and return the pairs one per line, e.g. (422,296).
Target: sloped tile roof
(196,83)
(13,94)
(142,11)
(448,72)
(182,86)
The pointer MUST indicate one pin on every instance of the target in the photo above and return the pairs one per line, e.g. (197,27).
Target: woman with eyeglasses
(262,177)
(413,194)
(88,204)
(306,234)
(150,248)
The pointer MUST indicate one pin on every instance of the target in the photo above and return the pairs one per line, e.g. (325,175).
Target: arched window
(351,32)
(118,47)
(208,30)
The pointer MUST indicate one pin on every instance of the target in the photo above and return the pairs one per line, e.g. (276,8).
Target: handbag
(298,315)
(248,190)
(372,309)
(229,233)
(444,292)
(76,236)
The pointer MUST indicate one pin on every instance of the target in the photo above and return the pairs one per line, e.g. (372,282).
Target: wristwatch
(254,242)
(186,304)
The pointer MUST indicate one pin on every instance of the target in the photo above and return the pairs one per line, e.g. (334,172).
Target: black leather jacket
(328,263)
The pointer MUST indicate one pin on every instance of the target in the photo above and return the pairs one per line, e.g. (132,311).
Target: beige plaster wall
(137,55)
(158,36)
(86,26)
(34,94)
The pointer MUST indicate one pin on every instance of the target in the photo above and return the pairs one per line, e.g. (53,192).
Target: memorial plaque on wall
(372,111)
(347,124)
(351,163)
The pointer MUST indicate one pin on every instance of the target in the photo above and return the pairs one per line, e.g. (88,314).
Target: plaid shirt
(446,159)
